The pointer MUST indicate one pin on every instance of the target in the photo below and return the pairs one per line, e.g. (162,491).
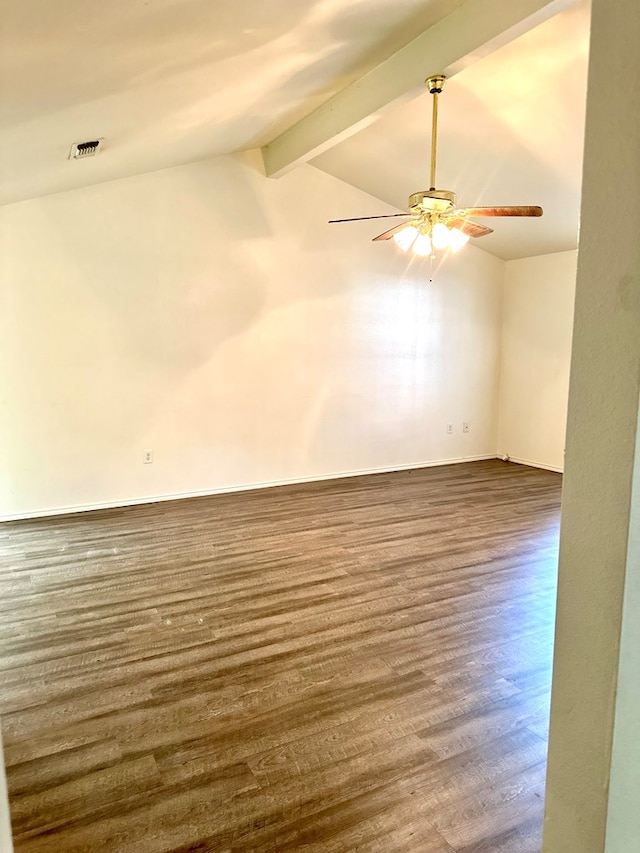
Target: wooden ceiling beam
(472,31)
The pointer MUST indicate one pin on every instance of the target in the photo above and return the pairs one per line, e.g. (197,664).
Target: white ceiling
(511,132)
(172,81)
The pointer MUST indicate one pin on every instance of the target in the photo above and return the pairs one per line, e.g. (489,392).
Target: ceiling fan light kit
(406,237)
(434,222)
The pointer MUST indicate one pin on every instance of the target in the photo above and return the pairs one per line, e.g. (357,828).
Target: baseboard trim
(70,510)
(531,464)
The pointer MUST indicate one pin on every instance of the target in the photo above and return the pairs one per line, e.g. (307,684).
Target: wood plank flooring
(355,665)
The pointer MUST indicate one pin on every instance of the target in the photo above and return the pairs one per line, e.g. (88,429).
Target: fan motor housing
(436,201)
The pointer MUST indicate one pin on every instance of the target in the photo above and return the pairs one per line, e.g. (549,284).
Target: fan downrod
(435,85)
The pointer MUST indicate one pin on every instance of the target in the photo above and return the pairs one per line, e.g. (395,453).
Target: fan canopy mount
(435,84)
(431,201)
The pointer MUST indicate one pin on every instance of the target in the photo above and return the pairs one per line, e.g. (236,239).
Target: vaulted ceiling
(511,132)
(171,81)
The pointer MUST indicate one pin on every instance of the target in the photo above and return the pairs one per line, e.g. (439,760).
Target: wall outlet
(449,428)
(466,427)
(147,457)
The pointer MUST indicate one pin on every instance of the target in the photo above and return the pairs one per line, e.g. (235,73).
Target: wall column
(588,780)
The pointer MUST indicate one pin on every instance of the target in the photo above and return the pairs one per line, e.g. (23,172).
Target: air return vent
(82,150)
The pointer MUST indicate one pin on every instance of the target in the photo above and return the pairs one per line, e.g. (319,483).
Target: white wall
(212,315)
(6,843)
(623,814)
(539,293)
(592,791)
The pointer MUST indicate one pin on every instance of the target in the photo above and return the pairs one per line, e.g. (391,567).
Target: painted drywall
(539,294)
(212,315)
(598,541)
(623,815)
(6,843)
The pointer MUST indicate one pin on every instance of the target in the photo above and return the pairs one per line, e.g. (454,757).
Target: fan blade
(512,210)
(473,229)
(387,235)
(359,218)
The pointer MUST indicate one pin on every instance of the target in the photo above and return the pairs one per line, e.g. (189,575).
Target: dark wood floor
(361,664)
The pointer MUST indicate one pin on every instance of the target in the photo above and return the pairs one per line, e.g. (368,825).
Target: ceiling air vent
(82,150)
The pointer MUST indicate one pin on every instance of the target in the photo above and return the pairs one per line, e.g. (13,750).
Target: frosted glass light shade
(405,238)
(457,239)
(440,236)
(422,245)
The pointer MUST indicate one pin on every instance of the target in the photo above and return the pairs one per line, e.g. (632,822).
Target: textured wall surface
(600,510)
(213,316)
(537,325)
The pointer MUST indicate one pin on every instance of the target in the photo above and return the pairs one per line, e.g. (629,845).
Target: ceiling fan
(434,221)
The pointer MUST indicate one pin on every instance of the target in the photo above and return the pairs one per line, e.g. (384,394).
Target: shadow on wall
(166,274)
(213,313)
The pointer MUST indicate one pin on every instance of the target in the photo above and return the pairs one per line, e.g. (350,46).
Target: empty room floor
(358,664)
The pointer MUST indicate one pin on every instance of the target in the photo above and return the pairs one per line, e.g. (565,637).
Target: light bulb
(457,239)
(422,245)
(440,236)
(405,238)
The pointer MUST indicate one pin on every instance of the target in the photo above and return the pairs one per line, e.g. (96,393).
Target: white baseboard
(68,510)
(531,464)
